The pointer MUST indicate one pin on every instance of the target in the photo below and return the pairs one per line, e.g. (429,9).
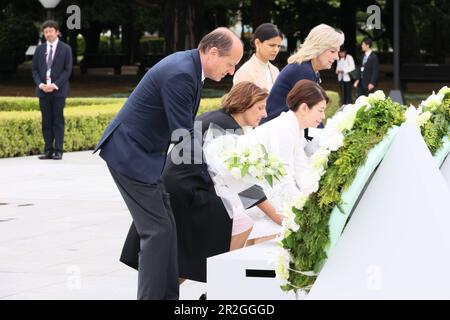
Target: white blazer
(284,137)
(345,65)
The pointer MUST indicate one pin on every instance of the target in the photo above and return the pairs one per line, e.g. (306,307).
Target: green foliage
(308,245)
(333,105)
(16,34)
(20,122)
(30,104)
(434,130)
(152,45)
(85,121)
(21,135)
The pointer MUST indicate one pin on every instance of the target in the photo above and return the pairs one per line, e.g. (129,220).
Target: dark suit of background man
(135,145)
(52,66)
(369,70)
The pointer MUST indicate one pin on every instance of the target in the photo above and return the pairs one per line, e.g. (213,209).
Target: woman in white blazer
(258,69)
(345,65)
(284,137)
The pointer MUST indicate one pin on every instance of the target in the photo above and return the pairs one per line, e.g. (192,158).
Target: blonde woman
(318,52)
(258,69)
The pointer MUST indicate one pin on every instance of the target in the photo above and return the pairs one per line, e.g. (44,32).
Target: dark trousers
(346,92)
(363,90)
(52,110)
(152,215)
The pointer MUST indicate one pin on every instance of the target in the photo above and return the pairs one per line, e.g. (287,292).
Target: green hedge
(29,104)
(21,135)
(85,119)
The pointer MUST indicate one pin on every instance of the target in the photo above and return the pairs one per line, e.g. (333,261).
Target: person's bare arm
(270,211)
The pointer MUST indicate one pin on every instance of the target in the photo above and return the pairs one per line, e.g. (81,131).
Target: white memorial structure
(396,244)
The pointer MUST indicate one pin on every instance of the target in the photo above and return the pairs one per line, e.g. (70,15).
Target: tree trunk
(348,22)
(292,43)
(92,38)
(183,24)
(409,41)
(127,47)
(74,45)
(260,12)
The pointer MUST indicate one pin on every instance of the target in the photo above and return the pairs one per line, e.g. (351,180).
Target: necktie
(50,58)
(365,59)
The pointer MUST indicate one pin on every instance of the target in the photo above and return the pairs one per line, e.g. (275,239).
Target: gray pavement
(62,226)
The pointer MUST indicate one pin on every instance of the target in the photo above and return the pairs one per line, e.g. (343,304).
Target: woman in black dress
(203,225)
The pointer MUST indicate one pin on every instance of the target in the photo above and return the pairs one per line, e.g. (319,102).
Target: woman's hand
(277,218)
(270,211)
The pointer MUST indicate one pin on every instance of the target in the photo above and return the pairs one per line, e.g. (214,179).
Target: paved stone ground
(62,226)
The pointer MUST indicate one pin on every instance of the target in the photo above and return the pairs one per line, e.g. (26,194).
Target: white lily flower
(423,118)
(444,90)
(236,173)
(433,101)
(362,101)
(282,265)
(412,114)
(376,96)
(331,140)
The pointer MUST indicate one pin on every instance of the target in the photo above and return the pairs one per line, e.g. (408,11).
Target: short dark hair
(219,38)
(367,41)
(265,32)
(305,91)
(50,24)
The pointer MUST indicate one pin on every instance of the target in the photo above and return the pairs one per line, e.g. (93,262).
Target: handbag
(354,75)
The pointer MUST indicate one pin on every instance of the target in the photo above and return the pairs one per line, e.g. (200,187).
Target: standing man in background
(369,70)
(52,67)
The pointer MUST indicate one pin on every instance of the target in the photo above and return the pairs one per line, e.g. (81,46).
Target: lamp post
(49,5)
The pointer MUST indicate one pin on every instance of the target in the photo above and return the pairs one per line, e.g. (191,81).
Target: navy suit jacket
(286,80)
(135,143)
(60,70)
(370,73)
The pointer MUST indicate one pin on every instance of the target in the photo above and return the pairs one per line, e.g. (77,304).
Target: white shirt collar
(368,52)
(203,75)
(54,43)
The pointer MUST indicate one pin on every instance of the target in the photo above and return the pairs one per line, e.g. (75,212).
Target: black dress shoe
(203,297)
(57,156)
(47,155)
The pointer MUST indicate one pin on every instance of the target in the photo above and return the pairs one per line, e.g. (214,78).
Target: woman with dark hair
(284,137)
(204,228)
(345,65)
(258,69)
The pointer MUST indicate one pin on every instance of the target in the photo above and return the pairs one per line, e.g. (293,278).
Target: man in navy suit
(52,66)
(136,142)
(369,70)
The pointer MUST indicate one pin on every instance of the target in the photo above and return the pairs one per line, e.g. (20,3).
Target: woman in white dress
(284,136)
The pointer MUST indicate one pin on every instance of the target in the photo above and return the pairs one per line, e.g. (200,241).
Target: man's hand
(47,88)
(370,87)
(356,84)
